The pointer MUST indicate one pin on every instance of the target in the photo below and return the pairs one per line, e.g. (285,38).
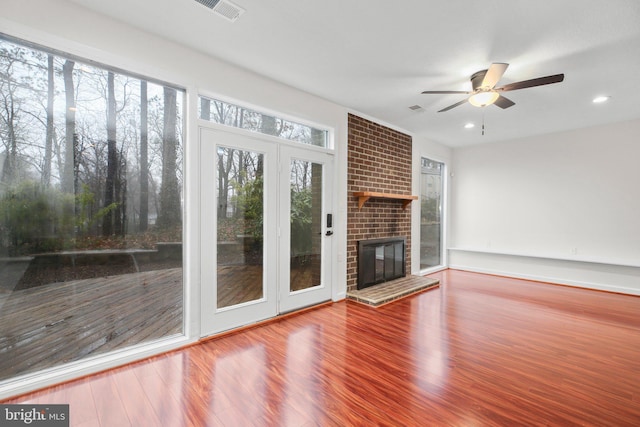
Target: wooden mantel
(363,196)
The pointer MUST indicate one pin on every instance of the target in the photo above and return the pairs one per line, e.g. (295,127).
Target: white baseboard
(59,374)
(547,279)
(613,276)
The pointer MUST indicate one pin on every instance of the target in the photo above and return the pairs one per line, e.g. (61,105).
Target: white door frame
(289,300)
(214,319)
(276,296)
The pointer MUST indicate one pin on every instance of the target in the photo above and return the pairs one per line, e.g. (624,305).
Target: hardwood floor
(478,351)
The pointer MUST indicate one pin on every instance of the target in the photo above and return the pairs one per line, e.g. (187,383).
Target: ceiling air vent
(209,3)
(416,108)
(224,8)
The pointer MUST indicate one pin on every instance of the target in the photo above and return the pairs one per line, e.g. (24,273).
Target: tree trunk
(48,147)
(112,159)
(9,168)
(225,163)
(120,214)
(170,210)
(144,159)
(70,128)
(318,137)
(205,109)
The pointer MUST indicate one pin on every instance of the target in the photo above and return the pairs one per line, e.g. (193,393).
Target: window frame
(92,364)
(329,133)
(443,214)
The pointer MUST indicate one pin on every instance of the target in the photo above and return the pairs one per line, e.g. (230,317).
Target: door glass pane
(306,225)
(240,190)
(431,186)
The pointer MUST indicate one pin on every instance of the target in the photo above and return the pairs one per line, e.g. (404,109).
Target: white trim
(48,377)
(192,222)
(444,215)
(206,124)
(547,279)
(432,270)
(583,273)
(590,260)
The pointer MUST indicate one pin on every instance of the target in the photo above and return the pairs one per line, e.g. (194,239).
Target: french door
(266,228)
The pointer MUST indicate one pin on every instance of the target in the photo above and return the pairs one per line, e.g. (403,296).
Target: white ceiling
(376,56)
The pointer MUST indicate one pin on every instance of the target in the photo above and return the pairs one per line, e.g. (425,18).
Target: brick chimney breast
(379,159)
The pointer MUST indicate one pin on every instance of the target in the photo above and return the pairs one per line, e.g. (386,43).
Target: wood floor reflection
(240,283)
(478,351)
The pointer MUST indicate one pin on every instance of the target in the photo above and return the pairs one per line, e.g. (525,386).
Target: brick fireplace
(379,160)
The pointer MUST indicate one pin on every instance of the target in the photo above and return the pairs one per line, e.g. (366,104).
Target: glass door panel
(306,229)
(238,221)
(305,251)
(240,204)
(431,197)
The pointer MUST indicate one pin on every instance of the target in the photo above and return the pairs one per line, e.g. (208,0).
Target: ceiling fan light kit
(482,99)
(484,91)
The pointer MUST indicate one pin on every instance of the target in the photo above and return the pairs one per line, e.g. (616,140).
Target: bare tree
(108,222)
(9,117)
(170,206)
(48,148)
(205,108)
(67,179)
(225,164)
(144,158)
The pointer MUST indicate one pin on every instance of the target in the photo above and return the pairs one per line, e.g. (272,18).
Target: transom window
(237,116)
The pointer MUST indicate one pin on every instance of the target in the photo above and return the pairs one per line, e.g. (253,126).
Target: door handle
(329,233)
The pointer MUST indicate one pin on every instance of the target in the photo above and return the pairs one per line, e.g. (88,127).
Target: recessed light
(469,126)
(600,99)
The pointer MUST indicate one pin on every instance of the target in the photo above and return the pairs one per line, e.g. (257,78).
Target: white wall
(567,205)
(70,28)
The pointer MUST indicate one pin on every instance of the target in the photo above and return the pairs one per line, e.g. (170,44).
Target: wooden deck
(47,325)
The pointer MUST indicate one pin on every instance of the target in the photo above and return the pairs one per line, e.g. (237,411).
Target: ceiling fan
(484,91)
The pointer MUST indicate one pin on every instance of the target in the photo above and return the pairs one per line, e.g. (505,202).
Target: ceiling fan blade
(452,106)
(443,92)
(540,81)
(493,74)
(504,102)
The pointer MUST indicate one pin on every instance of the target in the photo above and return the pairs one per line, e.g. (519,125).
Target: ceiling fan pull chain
(483,122)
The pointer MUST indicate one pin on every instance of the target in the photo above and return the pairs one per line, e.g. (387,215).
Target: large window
(90,209)
(245,118)
(431,191)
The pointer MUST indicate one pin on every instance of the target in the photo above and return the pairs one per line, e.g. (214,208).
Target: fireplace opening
(381,260)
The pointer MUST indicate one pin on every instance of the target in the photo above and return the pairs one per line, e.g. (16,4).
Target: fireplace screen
(380,260)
